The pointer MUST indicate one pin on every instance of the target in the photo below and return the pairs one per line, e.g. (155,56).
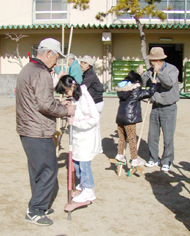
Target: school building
(114,43)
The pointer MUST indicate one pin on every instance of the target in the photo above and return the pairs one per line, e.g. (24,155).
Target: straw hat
(156,53)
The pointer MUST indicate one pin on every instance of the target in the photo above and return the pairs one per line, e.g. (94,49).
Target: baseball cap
(51,44)
(87,59)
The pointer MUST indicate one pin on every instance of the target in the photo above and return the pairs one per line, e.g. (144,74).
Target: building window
(50,10)
(180,10)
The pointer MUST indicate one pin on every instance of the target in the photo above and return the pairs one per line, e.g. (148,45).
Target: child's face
(69,91)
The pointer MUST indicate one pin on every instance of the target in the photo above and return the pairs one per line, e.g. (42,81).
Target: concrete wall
(88,16)
(7,84)
(20,12)
(16,12)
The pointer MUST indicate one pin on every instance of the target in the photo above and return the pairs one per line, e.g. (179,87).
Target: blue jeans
(84,173)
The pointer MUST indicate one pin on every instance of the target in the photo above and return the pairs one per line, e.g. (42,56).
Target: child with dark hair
(86,138)
(130,93)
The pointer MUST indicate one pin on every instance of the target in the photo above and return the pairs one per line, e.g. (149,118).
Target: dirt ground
(155,203)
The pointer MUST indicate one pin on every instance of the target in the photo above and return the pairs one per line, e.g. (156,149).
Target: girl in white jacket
(86,138)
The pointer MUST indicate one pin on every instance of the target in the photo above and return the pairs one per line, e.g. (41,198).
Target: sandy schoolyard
(156,203)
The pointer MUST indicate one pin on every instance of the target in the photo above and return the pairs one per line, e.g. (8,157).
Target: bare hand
(140,69)
(66,102)
(154,81)
(157,67)
(71,110)
(70,120)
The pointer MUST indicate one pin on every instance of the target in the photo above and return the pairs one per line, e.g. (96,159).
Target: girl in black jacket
(130,93)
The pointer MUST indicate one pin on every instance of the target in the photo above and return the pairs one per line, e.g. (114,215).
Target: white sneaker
(137,162)
(78,187)
(101,150)
(121,158)
(166,167)
(151,163)
(86,195)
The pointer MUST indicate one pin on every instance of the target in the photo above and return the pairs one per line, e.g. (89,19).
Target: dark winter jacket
(93,84)
(129,111)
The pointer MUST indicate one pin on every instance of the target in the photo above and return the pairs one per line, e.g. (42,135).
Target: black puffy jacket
(129,111)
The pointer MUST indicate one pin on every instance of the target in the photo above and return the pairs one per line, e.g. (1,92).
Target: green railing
(120,69)
(187,77)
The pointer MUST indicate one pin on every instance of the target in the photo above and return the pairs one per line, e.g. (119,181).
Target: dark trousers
(42,166)
(163,117)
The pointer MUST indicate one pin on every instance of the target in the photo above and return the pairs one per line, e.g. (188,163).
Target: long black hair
(65,82)
(133,77)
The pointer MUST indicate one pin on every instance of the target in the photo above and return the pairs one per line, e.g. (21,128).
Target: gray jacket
(167,91)
(36,107)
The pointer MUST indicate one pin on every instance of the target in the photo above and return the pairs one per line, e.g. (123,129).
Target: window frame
(51,12)
(173,12)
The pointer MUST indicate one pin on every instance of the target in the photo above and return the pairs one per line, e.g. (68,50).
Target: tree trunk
(18,55)
(143,43)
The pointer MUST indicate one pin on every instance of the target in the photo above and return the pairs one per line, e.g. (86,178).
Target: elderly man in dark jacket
(164,108)
(36,113)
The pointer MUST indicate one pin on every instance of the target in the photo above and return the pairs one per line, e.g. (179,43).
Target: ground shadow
(110,150)
(63,158)
(143,151)
(167,187)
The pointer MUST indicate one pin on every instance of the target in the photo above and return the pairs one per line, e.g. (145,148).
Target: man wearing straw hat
(36,113)
(164,108)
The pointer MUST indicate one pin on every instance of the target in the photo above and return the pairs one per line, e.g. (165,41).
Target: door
(175,55)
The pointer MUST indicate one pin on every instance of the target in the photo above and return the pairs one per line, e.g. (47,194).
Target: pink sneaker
(86,195)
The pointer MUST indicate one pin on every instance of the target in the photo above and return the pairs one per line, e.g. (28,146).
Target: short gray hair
(71,56)
(41,51)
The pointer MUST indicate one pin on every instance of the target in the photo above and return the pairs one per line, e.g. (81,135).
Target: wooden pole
(69,48)
(61,95)
(140,135)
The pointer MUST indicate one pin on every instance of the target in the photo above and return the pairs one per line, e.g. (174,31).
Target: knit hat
(51,44)
(156,53)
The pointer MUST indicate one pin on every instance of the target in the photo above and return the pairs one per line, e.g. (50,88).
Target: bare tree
(15,55)
(133,8)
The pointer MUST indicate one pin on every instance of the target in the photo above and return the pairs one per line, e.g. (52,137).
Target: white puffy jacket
(86,138)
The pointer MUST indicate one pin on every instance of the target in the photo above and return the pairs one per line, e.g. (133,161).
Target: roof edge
(94,26)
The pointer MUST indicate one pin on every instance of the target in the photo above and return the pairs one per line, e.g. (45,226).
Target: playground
(154,203)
